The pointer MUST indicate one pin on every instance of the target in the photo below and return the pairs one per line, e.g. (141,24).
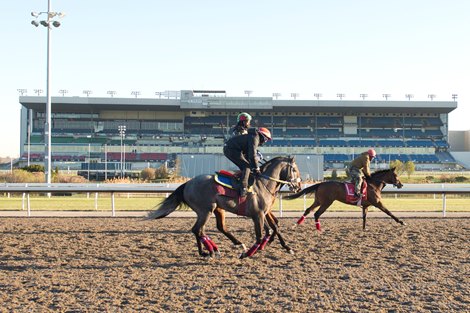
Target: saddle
(228,184)
(351,197)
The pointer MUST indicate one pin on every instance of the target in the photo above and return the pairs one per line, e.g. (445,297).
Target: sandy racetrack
(128,265)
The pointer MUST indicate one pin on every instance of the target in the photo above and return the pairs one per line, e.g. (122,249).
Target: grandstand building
(88,132)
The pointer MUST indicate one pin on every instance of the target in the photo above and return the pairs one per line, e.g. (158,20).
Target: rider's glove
(259,155)
(256,171)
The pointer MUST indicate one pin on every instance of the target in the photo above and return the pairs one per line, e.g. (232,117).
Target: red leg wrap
(207,243)
(253,249)
(317,225)
(264,242)
(301,220)
(213,244)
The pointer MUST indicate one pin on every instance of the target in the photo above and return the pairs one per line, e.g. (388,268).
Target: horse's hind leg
(307,211)
(365,209)
(201,238)
(319,212)
(220,219)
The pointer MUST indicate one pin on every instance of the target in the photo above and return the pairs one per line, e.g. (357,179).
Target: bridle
(291,181)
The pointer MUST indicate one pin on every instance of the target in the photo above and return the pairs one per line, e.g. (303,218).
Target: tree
(147,174)
(409,168)
(398,165)
(162,172)
(34,168)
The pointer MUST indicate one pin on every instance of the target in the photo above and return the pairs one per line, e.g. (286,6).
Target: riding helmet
(266,133)
(243,117)
(371,153)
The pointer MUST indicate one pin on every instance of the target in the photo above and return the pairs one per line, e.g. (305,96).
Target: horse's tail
(305,191)
(169,204)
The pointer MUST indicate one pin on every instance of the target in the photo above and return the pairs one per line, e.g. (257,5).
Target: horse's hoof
(295,226)
(403,223)
(290,251)
(217,254)
(242,256)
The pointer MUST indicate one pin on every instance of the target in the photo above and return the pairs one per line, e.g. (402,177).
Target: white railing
(26,189)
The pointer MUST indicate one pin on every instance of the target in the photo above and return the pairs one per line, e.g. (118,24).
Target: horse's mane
(276,159)
(382,171)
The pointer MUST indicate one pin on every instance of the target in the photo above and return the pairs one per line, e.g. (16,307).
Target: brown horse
(203,198)
(327,192)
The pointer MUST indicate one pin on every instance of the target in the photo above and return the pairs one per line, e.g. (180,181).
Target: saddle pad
(350,197)
(223,180)
(232,193)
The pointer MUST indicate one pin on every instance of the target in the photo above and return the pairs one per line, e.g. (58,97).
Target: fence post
(113,214)
(29,205)
(280,204)
(96,197)
(444,205)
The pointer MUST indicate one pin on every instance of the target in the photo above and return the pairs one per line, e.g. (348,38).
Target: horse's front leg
(365,209)
(258,220)
(382,208)
(274,224)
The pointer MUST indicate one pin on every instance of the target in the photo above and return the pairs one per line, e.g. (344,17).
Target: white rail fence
(27,189)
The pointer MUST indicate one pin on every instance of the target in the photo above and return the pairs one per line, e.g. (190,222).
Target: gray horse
(203,198)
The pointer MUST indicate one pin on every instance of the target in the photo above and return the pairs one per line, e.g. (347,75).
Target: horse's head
(287,172)
(395,180)
(389,176)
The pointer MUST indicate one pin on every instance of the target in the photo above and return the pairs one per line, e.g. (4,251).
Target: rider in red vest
(241,150)
(359,166)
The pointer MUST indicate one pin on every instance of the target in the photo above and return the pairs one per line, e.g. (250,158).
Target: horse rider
(243,123)
(241,150)
(359,166)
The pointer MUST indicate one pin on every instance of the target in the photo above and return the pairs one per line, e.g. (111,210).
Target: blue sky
(398,47)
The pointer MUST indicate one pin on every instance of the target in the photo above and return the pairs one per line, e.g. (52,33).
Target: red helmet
(371,153)
(266,133)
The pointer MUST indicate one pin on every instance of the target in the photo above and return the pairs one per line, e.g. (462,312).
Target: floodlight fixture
(248,92)
(454,97)
(35,23)
(38,91)
(87,92)
(111,93)
(22,91)
(340,95)
(294,95)
(431,96)
(409,96)
(135,93)
(276,95)
(386,96)
(317,95)
(363,96)
(63,92)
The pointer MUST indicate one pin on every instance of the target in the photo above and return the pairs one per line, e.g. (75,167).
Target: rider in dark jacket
(241,150)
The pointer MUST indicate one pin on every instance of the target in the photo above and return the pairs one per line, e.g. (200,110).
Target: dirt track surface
(128,265)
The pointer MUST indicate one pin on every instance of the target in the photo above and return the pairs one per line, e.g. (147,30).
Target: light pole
(276,94)
(122,133)
(48,23)
(248,92)
(294,95)
(454,97)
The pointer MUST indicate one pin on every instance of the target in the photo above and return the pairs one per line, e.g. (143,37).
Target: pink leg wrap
(317,225)
(264,242)
(207,243)
(253,249)
(301,220)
